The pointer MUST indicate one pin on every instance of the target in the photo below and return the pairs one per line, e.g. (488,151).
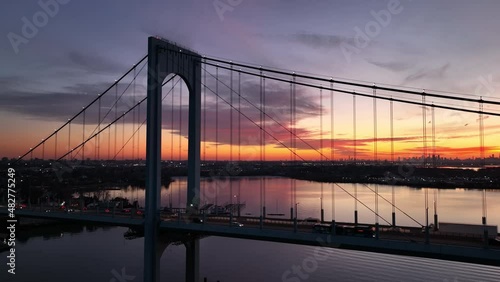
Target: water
(98,254)
(452,205)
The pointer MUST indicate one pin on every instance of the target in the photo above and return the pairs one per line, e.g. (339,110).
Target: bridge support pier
(436,228)
(322,215)
(393,219)
(264,211)
(355,217)
(291,213)
(192,260)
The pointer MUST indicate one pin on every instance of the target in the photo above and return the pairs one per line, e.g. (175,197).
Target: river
(102,254)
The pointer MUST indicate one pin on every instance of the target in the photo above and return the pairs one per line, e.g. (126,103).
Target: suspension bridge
(213,118)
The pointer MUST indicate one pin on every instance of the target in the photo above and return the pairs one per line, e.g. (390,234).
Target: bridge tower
(166,58)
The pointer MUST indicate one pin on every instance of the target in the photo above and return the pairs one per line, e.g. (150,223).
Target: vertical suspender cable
(139,131)
(217,113)
(109,143)
(321,124)
(116,116)
(481,132)
(392,131)
(261,144)
(332,125)
(392,160)
(133,116)
(354,156)
(322,212)
(98,145)
(375,144)
(216,132)
(291,153)
(83,137)
(295,142)
(424,129)
(205,112)
(264,142)
(55,147)
(332,147)
(354,126)
(231,137)
(180,122)
(434,160)
(239,138)
(69,142)
(123,136)
(239,116)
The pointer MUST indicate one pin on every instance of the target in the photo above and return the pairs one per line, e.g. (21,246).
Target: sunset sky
(81,49)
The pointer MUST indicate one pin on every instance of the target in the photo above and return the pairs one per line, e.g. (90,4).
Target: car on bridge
(312,220)
(322,228)
(347,230)
(236,224)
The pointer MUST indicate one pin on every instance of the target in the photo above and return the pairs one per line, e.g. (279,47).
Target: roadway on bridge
(120,217)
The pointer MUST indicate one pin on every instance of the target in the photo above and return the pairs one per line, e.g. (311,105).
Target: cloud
(392,66)
(93,63)
(321,40)
(64,104)
(433,73)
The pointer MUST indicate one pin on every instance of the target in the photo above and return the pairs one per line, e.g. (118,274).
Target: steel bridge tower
(166,58)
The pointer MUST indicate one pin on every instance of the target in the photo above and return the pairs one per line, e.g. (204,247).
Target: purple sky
(85,45)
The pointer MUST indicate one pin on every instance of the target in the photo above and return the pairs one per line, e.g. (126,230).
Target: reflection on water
(453,205)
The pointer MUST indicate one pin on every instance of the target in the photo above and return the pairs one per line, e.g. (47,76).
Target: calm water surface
(95,254)
(452,205)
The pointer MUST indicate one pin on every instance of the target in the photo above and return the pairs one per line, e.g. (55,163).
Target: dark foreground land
(388,174)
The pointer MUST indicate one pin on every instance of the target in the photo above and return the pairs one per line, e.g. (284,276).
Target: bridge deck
(405,241)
